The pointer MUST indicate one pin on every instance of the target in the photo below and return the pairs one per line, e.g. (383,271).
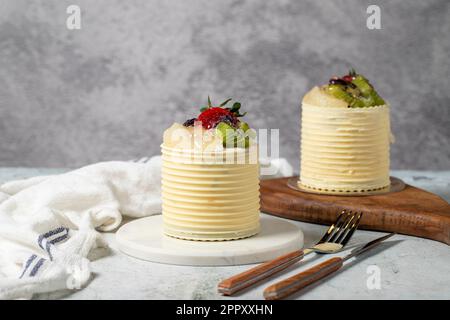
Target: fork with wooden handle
(334,239)
(288,286)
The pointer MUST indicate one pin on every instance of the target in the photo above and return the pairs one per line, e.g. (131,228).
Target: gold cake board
(395,186)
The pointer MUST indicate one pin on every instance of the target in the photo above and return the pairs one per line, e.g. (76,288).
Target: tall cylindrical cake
(345,149)
(345,137)
(210,177)
(208,199)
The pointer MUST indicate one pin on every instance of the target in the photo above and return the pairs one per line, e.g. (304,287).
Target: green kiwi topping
(355,90)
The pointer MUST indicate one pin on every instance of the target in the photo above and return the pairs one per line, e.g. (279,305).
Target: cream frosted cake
(345,138)
(210,176)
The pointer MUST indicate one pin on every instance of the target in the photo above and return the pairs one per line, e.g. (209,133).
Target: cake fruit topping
(353,90)
(190,122)
(224,123)
(211,117)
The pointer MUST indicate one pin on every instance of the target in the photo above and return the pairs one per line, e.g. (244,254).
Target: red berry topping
(347,78)
(190,122)
(211,117)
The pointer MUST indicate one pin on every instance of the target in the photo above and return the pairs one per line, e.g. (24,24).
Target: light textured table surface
(409,267)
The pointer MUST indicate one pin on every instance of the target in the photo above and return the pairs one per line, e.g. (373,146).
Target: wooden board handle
(301,280)
(247,278)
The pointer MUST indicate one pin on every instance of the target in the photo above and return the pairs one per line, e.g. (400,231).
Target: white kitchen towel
(49,224)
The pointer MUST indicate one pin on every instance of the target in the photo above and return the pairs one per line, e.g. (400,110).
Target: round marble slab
(144,239)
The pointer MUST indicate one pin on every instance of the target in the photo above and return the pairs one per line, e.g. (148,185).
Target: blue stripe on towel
(48,249)
(54,231)
(47,246)
(59,239)
(40,239)
(50,233)
(27,264)
(37,267)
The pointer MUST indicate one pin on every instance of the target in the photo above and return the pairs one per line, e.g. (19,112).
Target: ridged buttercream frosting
(345,149)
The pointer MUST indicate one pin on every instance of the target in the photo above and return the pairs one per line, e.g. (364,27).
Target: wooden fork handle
(247,278)
(301,280)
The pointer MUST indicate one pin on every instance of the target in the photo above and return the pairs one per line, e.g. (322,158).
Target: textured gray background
(68,98)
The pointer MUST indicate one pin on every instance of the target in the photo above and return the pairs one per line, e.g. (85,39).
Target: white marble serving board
(144,239)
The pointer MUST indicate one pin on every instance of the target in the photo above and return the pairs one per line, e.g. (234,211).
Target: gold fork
(334,239)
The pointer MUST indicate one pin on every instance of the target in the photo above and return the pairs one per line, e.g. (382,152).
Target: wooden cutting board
(412,211)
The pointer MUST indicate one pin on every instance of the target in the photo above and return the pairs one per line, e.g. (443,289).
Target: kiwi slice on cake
(234,137)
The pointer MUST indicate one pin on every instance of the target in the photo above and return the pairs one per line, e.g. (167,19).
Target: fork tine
(352,230)
(338,238)
(331,228)
(338,226)
(342,229)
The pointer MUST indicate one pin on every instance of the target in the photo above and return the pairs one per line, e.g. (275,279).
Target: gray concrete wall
(107,91)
